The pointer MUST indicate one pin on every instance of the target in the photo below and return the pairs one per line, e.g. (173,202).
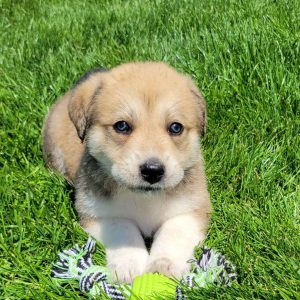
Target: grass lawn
(244,56)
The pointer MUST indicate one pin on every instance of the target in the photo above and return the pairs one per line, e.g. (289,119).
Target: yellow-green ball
(149,285)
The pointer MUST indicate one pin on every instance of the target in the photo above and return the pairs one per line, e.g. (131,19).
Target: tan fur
(61,146)
(149,96)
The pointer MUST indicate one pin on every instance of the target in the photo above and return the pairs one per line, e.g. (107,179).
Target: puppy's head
(142,122)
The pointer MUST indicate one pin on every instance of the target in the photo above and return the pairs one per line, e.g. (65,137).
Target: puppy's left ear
(83,96)
(201,104)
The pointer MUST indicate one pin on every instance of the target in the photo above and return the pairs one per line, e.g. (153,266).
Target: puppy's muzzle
(152,170)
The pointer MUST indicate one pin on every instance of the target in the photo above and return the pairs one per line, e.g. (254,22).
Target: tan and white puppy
(131,136)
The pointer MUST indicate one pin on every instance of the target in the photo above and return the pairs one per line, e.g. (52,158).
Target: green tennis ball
(148,285)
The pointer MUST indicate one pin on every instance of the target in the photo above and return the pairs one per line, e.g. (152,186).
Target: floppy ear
(83,95)
(202,112)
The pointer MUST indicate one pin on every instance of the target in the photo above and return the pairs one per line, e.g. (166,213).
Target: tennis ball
(148,285)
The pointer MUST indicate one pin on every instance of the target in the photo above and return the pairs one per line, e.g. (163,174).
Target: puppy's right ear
(83,96)
(201,104)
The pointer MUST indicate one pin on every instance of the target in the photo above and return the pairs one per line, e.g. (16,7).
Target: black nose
(152,170)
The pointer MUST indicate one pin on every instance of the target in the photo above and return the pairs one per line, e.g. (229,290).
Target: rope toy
(211,268)
(76,262)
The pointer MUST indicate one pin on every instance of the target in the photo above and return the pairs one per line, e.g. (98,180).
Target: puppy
(128,138)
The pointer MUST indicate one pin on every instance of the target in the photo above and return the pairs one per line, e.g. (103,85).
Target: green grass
(244,56)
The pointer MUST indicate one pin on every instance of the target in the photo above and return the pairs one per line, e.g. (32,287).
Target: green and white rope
(76,262)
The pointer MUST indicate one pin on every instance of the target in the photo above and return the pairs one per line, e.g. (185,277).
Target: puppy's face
(145,121)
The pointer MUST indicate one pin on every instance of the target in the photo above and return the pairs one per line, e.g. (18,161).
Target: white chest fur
(147,210)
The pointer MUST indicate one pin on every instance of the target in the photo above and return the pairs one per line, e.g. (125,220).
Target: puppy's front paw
(166,266)
(126,264)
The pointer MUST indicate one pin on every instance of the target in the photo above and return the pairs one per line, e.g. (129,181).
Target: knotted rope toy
(76,262)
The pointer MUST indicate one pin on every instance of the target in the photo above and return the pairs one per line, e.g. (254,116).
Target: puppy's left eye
(175,128)
(122,127)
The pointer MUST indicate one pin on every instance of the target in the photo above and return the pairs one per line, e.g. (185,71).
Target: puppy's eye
(175,128)
(122,127)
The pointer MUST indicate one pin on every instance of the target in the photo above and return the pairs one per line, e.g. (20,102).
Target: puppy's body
(144,181)
(62,147)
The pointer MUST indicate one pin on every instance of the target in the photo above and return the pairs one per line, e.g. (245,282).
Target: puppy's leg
(125,248)
(174,244)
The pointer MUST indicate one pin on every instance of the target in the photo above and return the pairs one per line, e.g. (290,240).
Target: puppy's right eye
(122,127)
(175,128)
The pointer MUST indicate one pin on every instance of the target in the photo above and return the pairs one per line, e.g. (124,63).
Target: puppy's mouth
(145,189)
